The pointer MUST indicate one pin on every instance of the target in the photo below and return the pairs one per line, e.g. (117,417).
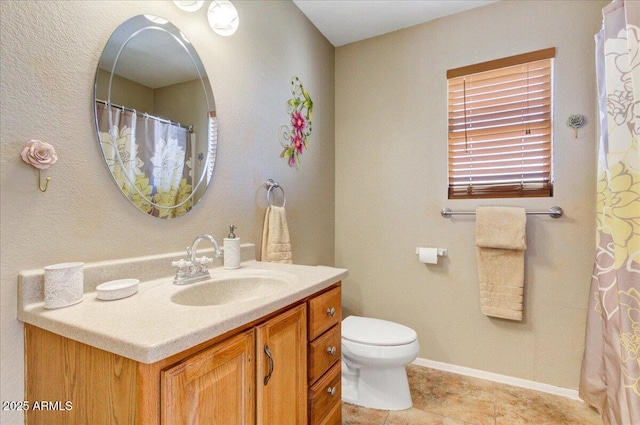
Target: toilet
(374,356)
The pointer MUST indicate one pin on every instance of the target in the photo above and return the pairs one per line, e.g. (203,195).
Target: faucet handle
(204,260)
(181,263)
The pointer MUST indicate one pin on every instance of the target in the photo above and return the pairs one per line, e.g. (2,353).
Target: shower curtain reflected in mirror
(610,378)
(154,174)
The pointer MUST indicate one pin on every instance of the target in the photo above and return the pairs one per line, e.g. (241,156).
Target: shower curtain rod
(189,128)
(554,212)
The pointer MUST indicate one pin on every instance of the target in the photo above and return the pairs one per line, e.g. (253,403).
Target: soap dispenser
(232,250)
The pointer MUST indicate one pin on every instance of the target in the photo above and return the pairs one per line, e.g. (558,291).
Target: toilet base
(377,388)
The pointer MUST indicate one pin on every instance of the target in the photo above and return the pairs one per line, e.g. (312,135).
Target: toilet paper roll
(428,255)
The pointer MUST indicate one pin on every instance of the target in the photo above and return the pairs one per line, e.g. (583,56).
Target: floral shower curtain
(610,378)
(152,170)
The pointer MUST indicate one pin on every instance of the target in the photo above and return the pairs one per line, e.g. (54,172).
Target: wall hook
(46,183)
(576,121)
(40,155)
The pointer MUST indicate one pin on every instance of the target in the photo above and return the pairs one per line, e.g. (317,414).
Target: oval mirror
(155,116)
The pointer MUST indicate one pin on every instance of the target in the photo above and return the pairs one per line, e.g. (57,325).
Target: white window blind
(500,139)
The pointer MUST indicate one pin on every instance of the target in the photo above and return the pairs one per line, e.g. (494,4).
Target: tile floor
(442,398)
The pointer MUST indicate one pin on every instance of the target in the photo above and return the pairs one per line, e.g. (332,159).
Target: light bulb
(223,17)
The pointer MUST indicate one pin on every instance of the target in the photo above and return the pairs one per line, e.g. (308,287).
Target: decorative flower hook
(42,156)
(576,121)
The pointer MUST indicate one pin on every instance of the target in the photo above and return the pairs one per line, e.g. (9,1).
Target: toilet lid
(376,331)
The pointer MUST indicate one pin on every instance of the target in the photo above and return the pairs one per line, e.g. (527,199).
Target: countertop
(148,326)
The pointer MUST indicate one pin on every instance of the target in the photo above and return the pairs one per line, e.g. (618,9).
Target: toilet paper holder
(442,252)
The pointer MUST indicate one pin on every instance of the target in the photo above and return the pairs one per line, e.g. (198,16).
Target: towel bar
(554,212)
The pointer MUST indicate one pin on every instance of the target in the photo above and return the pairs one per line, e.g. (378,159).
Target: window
(500,127)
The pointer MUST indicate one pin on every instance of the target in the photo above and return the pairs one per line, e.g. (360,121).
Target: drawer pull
(331,311)
(270,357)
(331,391)
(332,350)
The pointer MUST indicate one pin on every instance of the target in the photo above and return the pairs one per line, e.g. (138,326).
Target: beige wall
(125,92)
(391,182)
(49,55)
(185,103)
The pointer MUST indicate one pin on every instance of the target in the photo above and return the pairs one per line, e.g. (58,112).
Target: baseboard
(495,377)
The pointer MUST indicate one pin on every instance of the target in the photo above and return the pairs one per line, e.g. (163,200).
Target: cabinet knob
(331,391)
(332,350)
(331,311)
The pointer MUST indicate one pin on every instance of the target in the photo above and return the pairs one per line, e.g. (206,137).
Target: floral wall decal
(294,138)
(41,155)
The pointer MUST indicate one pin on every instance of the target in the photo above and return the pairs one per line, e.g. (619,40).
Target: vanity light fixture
(223,17)
(189,5)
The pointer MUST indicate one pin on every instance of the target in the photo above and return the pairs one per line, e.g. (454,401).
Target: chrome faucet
(191,252)
(195,269)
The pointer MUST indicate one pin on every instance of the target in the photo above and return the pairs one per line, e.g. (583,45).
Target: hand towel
(276,245)
(500,246)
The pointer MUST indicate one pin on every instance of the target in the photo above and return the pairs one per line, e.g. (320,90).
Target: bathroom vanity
(162,357)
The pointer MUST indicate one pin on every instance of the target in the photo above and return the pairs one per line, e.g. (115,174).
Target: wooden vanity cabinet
(221,381)
(218,385)
(324,365)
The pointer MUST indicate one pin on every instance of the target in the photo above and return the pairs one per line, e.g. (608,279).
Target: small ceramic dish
(117,289)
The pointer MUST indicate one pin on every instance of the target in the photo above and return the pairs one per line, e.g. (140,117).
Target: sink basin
(232,287)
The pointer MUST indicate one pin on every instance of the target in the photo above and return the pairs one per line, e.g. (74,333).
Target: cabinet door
(282,369)
(214,387)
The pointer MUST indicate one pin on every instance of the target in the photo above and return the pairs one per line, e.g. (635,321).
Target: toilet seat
(366,330)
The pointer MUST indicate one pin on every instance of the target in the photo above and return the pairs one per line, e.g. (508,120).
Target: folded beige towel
(501,227)
(276,245)
(500,245)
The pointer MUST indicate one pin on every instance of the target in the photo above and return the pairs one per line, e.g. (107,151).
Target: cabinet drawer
(334,417)
(325,394)
(324,311)
(324,351)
